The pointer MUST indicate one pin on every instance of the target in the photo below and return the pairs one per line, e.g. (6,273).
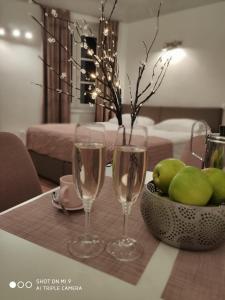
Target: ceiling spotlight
(28,35)
(16,33)
(2,31)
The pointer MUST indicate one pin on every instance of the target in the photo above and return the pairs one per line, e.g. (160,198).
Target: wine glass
(88,163)
(129,169)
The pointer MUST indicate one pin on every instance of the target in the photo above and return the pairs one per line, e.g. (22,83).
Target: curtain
(101,113)
(57,92)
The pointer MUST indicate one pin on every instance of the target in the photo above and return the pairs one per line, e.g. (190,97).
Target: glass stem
(126,212)
(125,225)
(87,209)
(87,223)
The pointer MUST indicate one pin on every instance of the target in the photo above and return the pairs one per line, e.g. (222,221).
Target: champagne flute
(88,163)
(129,169)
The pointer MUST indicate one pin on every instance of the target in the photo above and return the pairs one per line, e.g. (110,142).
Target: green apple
(217,180)
(164,172)
(191,186)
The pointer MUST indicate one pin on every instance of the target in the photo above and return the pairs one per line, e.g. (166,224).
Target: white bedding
(177,138)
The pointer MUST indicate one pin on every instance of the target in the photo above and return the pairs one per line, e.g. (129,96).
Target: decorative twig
(107,107)
(156,32)
(59,91)
(105,98)
(58,42)
(43,7)
(112,11)
(54,71)
(163,73)
(153,75)
(129,85)
(89,29)
(109,90)
(138,103)
(157,83)
(106,62)
(147,49)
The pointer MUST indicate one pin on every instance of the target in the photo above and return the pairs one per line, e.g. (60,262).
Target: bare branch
(107,107)
(77,26)
(136,106)
(107,62)
(54,71)
(157,83)
(146,48)
(102,10)
(43,7)
(129,85)
(162,75)
(111,87)
(89,29)
(156,32)
(58,91)
(114,6)
(59,43)
(105,98)
(102,82)
(153,75)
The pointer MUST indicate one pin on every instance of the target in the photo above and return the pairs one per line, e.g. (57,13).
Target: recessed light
(28,35)
(16,33)
(2,31)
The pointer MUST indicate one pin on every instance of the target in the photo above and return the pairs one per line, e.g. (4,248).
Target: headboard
(212,115)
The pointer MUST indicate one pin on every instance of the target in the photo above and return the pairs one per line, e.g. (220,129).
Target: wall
(198,79)
(20,101)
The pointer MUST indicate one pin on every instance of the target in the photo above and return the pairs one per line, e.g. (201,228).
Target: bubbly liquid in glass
(88,169)
(129,168)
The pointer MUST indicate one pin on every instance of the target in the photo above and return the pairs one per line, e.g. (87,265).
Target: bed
(50,145)
(159,134)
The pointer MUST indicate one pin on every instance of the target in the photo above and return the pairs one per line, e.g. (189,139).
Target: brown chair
(18,177)
(198,148)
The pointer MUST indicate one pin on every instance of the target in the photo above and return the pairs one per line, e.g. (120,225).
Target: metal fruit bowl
(182,226)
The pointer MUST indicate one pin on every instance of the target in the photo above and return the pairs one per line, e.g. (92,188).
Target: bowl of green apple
(184,206)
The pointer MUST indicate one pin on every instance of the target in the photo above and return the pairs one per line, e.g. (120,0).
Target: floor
(46,185)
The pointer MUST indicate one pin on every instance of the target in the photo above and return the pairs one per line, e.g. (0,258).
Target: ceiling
(127,10)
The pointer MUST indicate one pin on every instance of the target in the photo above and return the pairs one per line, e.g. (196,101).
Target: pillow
(181,125)
(144,121)
(113,120)
(141,121)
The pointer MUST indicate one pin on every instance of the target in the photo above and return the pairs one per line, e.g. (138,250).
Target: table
(23,262)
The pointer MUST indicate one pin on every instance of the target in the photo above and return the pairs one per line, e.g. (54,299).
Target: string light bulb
(2,31)
(16,33)
(90,52)
(28,35)
(94,95)
(106,31)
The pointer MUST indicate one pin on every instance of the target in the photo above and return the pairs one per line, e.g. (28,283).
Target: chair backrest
(18,177)
(198,148)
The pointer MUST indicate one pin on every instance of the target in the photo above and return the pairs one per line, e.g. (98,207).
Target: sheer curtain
(57,93)
(102,114)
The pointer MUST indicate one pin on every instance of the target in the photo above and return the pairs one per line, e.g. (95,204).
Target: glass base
(86,246)
(125,249)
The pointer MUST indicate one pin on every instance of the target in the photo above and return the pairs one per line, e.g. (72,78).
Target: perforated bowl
(183,226)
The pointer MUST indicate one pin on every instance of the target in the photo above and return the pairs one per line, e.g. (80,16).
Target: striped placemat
(40,223)
(197,276)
